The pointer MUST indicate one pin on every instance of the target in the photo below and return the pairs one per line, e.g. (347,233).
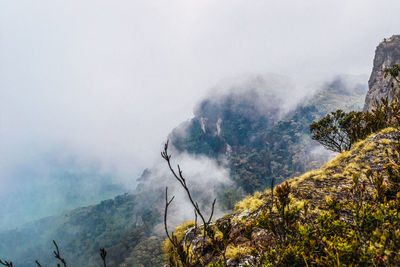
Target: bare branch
(212,211)
(195,218)
(167,203)
(182,181)
(6,263)
(183,252)
(103,255)
(57,254)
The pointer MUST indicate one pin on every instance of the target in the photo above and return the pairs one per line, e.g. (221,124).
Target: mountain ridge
(342,213)
(115,224)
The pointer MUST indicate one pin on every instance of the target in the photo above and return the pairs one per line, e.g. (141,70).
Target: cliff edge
(386,55)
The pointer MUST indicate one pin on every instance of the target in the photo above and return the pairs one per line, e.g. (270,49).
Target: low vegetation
(339,130)
(344,214)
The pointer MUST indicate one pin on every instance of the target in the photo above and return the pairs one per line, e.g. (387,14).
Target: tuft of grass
(369,147)
(337,175)
(388,130)
(250,203)
(316,174)
(218,235)
(180,232)
(236,252)
(351,168)
(343,165)
(334,163)
(377,160)
(360,143)
(385,141)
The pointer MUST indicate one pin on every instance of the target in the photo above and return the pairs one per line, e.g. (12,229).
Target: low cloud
(204,177)
(106,81)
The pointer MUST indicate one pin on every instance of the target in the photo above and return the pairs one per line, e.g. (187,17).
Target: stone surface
(386,55)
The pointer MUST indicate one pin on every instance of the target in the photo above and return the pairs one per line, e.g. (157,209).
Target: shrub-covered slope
(257,143)
(344,213)
(261,143)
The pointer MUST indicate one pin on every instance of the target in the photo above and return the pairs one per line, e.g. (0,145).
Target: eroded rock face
(386,55)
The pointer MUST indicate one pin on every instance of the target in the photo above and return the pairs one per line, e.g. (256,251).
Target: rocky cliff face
(387,54)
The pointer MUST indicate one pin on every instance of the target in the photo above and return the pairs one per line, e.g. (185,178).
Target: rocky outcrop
(386,55)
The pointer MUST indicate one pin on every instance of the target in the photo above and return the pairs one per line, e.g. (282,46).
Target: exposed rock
(218,124)
(139,222)
(386,55)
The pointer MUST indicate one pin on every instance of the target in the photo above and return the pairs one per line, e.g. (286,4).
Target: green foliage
(359,226)
(147,252)
(236,252)
(250,203)
(257,144)
(339,130)
(356,231)
(282,194)
(394,72)
(332,131)
(177,254)
(227,198)
(185,253)
(118,224)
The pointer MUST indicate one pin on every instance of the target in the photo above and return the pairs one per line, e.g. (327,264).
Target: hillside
(326,210)
(253,141)
(343,214)
(261,143)
(122,225)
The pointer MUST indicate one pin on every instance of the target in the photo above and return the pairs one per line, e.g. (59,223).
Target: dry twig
(58,256)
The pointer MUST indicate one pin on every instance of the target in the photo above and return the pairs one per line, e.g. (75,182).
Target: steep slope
(255,224)
(345,213)
(261,143)
(386,55)
(257,140)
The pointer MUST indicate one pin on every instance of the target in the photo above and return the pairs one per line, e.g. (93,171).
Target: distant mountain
(246,129)
(260,140)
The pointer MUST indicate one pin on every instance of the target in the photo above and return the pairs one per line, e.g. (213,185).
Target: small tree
(332,131)
(338,130)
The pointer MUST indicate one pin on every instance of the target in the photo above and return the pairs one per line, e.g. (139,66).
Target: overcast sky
(108,80)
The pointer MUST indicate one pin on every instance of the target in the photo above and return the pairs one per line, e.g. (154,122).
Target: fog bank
(105,82)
